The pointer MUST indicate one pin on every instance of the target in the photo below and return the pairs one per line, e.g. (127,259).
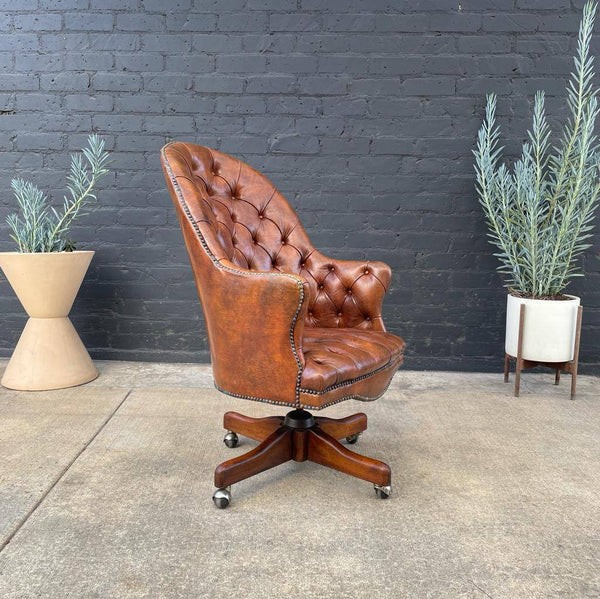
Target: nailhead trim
(345,383)
(358,397)
(261,399)
(300,405)
(217,263)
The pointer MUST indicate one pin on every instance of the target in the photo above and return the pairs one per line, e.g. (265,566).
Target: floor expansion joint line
(45,494)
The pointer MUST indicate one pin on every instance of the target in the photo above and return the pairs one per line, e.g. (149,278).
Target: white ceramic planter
(49,354)
(549,328)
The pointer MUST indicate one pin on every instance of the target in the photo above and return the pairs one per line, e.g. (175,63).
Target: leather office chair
(286,325)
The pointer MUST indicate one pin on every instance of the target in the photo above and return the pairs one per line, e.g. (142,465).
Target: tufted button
(367,318)
(283,242)
(310,313)
(331,268)
(321,286)
(261,215)
(348,291)
(339,314)
(366,271)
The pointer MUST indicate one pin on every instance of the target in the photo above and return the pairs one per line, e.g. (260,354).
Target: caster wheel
(383,491)
(222,498)
(352,439)
(231,440)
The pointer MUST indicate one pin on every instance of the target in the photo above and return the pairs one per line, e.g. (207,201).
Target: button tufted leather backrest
(243,217)
(245,220)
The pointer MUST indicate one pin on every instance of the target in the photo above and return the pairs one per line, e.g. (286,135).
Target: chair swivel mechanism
(286,325)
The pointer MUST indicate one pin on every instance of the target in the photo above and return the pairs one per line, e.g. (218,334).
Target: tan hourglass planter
(49,354)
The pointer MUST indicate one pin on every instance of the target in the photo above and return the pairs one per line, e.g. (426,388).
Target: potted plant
(540,213)
(46,272)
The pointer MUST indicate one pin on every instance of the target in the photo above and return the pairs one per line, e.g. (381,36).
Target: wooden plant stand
(522,364)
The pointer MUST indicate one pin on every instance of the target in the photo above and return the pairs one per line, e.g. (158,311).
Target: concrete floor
(105,493)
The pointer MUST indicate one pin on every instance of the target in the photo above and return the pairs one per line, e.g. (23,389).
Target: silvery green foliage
(540,214)
(39,227)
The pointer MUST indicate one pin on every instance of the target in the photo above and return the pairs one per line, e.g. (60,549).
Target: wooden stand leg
(520,351)
(274,450)
(557,376)
(576,353)
(518,378)
(506,367)
(339,428)
(327,451)
(254,428)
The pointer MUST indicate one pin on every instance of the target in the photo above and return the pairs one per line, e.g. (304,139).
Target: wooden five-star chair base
(299,436)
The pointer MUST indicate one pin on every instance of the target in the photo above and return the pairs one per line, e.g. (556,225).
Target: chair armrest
(349,293)
(255,330)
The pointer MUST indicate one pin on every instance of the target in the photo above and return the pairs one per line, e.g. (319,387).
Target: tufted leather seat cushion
(337,356)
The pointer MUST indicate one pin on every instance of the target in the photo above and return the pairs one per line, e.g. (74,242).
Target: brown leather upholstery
(285,324)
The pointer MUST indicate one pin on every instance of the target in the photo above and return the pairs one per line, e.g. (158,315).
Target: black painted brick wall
(364,112)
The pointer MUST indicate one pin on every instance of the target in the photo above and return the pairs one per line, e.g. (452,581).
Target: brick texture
(363,112)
